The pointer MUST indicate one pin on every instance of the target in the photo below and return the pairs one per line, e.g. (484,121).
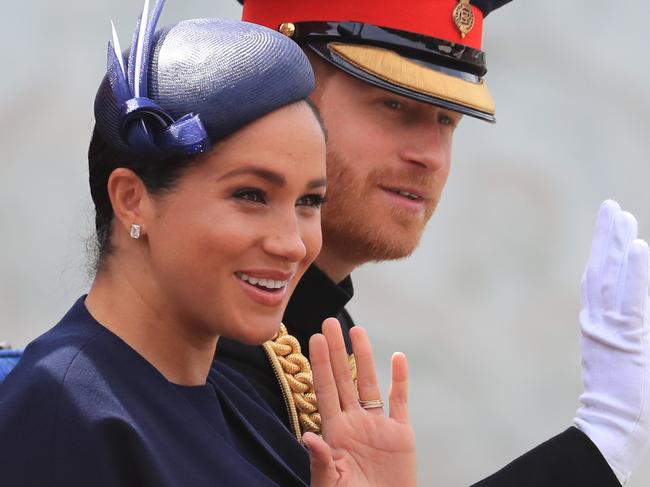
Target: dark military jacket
(569,459)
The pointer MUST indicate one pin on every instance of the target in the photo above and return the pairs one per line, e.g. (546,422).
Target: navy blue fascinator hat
(191,84)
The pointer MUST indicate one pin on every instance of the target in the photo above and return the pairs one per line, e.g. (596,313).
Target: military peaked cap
(428,50)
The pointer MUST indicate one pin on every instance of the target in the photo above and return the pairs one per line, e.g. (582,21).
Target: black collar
(316,297)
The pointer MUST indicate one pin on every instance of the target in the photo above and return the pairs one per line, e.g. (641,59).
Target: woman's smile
(266,287)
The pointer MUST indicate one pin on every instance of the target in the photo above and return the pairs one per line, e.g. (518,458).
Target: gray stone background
(486,308)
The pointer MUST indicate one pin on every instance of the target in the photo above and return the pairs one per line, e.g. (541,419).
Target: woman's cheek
(313,238)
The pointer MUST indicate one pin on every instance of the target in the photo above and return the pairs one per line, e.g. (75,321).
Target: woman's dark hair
(158,176)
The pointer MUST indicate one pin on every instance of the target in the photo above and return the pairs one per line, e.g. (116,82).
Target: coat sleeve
(568,459)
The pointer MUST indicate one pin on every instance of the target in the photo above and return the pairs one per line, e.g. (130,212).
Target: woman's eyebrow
(270,176)
(317,183)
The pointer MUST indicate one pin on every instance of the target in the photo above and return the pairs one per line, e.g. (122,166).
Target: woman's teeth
(263,283)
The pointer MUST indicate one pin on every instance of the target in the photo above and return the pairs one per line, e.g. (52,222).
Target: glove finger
(591,282)
(635,287)
(624,232)
(606,213)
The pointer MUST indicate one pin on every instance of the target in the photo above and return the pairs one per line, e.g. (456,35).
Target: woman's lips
(265,288)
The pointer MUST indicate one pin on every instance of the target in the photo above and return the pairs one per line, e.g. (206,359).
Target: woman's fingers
(324,385)
(323,470)
(340,364)
(367,384)
(333,381)
(398,394)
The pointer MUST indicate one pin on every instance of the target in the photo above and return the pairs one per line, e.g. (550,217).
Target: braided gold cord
(296,381)
(298,375)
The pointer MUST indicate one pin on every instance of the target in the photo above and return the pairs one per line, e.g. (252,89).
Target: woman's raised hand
(359,447)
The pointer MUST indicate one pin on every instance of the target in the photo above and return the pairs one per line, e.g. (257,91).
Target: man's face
(387,163)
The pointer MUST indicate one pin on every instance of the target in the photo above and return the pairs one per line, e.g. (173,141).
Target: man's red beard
(352,226)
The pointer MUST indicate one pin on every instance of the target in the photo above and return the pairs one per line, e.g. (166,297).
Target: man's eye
(311,200)
(445,119)
(393,104)
(250,194)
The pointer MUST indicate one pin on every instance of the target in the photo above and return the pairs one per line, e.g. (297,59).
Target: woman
(207,170)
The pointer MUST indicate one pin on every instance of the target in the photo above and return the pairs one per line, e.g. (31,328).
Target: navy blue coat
(82,408)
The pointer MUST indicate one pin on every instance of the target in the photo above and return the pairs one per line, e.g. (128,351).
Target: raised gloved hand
(615,411)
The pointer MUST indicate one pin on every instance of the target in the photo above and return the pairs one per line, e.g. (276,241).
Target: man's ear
(130,200)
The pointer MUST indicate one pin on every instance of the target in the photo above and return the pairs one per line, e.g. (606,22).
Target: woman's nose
(286,241)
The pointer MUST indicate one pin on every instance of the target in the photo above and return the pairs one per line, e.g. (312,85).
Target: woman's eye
(311,200)
(250,194)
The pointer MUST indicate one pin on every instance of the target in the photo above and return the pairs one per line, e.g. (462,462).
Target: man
(393,81)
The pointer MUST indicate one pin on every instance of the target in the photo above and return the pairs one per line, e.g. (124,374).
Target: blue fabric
(82,408)
(8,360)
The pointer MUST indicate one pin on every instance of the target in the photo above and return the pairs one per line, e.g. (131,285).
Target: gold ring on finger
(371,404)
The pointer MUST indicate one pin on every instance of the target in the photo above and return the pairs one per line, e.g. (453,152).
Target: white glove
(615,411)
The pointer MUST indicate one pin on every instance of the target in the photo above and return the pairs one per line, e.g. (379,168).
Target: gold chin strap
(294,375)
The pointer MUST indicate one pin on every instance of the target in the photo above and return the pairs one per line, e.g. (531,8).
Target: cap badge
(463,17)
(287,28)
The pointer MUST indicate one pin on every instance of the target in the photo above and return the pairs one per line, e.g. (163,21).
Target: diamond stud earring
(135,231)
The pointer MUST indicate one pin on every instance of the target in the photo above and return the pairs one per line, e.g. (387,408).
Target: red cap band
(432,18)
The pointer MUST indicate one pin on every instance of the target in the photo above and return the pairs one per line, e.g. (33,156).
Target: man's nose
(427,149)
